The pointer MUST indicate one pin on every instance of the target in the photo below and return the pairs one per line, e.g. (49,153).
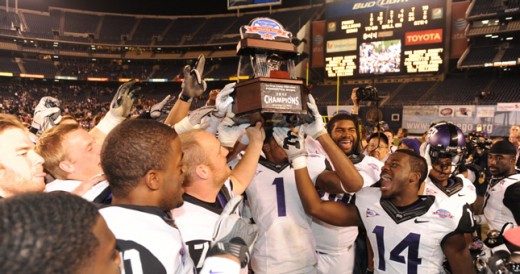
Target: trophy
(272,94)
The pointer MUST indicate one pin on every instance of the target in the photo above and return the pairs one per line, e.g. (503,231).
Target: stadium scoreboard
(385,37)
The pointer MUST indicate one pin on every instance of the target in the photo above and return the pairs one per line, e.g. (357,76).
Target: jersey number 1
(280,196)
(411,241)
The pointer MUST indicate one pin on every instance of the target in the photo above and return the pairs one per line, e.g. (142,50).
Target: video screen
(236,4)
(380,57)
(385,38)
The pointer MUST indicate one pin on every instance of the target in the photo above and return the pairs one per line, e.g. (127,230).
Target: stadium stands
(38,25)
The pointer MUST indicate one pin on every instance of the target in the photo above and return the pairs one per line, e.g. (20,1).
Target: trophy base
(271,95)
(274,102)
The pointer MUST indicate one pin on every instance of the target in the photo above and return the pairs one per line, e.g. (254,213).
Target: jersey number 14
(411,241)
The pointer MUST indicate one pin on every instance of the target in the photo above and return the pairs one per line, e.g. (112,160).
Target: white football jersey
(196,221)
(409,240)
(496,213)
(459,188)
(285,242)
(98,193)
(148,244)
(332,239)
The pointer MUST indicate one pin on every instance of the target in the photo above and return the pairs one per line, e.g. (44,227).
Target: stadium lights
(61,77)
(157,80)
(509,18)
(124,80)
(97,79)
(26,75)
(235,78)
(509,38)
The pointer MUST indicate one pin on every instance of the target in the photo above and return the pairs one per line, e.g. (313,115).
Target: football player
(408,233)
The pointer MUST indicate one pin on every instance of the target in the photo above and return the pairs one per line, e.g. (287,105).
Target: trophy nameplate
(271,95)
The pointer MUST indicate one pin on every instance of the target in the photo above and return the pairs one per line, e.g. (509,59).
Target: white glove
(192,84)
(223,101)
(293,144)
(316,128)
(244,139)
(47,114)
(194,120)
(120,106)
(228,133)
(232,234)
(156,110)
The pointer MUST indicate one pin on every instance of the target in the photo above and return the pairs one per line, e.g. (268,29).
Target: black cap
(503,147)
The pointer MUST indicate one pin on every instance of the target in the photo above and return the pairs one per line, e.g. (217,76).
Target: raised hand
(194,120)
(120,106)
(192,84)
(293,142)
(228,132)
(317,127)
(156,110)
(47,114)
(224,100)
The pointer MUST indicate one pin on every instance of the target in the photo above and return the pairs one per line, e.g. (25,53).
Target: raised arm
(350,178)
(120,108)
(192,86)
(244,171)
(333,213)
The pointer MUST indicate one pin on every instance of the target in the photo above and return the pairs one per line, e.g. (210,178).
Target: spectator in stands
(411,144)
(402,133)
(514,138)
(378,146)
(390,135)
(21,168)
(55,233)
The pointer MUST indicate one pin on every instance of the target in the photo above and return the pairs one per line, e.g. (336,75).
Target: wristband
(185,98)
(299,162)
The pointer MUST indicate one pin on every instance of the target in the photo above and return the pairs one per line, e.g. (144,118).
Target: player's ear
(152,179)
(66,166)
(202,171)
(414,177)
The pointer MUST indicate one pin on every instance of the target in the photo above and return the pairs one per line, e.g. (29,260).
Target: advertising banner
(496,120)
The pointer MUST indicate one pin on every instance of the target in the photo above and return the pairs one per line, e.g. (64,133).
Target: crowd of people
(85,104)
(197,192)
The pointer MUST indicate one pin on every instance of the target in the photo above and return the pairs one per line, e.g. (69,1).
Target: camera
(482,144)
(368,93)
